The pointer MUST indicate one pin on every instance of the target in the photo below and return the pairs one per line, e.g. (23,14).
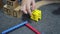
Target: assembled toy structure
(12,8)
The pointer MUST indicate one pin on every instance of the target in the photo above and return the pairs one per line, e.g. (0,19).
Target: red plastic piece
(33,29)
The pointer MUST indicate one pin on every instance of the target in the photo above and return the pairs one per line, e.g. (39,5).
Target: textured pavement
(50,23)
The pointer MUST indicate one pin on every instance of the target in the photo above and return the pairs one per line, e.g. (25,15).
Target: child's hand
(27,5)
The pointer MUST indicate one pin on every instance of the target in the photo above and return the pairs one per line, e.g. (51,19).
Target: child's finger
(33,5)
(23,8)
(24,11)
(28,9)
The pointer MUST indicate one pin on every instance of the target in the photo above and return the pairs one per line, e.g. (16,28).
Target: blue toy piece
(12,28)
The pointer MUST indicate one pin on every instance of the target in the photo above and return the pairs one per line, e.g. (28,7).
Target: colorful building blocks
(36,15)
(26,23)
(12,8)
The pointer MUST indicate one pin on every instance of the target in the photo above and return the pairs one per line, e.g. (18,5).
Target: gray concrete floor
(50,23)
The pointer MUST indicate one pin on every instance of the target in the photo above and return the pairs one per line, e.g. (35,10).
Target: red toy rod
(33,29)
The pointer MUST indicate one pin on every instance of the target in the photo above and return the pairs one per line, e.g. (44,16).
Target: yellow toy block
(36,15)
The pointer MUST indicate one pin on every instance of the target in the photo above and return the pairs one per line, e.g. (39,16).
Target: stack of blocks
(12,8)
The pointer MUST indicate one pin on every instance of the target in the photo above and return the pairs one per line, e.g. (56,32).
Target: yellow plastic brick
(36,14)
